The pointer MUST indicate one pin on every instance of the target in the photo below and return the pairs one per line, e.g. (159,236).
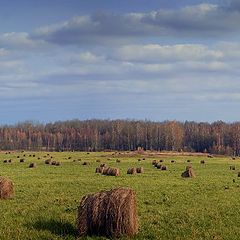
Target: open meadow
(169,206)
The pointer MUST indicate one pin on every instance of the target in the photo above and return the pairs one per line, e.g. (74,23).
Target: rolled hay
(112,214)
(105,170)
(140,170)
(21,160)
(132,170)
(6,188)
(18,156)
(53,163)
(57,163)
(238,174)
(5,161)
(85,163)
(32,165)
(202,162)
(111,171)
(172,161)
(188,161)
(118,161)
(98,160)
(188,172)
(161,160)
(39,158)
(10,160)
(48,161)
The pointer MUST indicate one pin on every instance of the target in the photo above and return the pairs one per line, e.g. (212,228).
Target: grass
(169,207)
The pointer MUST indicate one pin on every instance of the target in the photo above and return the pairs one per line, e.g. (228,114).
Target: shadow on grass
(56,227)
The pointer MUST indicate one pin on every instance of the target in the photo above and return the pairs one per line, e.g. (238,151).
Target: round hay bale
(48,161)
(172,161)
(188,172)
(30,155)
(132,170)
(32,165)
(238,174)
(202,162)
(105,171)
(34,155)
(161,160)
(118,161)
(232,168)
(188,161)
(85,163)
(39,158)
(57,163)
(6,188)
(140,170)
(164,168)
(18,156)
(112,214)
(98,160)
(5,161)
(21,160)
(10,160)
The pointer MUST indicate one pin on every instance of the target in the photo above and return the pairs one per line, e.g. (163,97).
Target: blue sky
(108,59)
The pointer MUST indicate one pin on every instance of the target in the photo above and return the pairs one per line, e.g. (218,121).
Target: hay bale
(118,161)
(140,170)
(53,163)
(10,160)
(6,188)
(98,160)
(39,158)
(32,165)
(188,161)
(48,161)
(161,160)
(112,214)
(202,162)
(164,168)
(210,156)
(188,172)
(111,171)
(57,163)
(132,170)
(5,161)
(172,161)
(238,174)
(21,160)
(85,163)
(18,156)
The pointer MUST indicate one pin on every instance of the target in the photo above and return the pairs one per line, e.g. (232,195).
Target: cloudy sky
(109,59)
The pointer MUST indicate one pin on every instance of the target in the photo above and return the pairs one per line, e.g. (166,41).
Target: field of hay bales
(169,206)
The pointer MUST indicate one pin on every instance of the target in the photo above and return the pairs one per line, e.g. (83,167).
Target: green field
(169,207)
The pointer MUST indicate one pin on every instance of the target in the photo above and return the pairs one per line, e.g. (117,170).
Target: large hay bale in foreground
(6,188)
(108,213)
(109,171)
(132,170)
(188,172)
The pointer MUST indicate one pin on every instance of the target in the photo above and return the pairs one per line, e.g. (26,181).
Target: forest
(128,135)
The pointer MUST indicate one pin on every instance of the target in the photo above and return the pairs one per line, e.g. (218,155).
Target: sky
(130,59)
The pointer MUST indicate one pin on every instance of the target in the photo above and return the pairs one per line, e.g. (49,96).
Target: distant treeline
(98,135)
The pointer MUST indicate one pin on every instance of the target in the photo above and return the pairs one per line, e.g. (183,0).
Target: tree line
(98,135)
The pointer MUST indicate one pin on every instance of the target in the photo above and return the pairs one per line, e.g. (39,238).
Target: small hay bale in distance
(53,163)
(21,160)
(188,173)
(202,162)
(172,161)
(188,161)
(10,160)
(57,163)
(98,160)
(18,156)
(5,161)
(6,188)
(238,174)
(112,214)
(85,163)
(161,160)
(118,161)
(32,165)
(132,170)
(140,170)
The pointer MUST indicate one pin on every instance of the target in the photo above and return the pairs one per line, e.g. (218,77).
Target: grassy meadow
(169,207)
